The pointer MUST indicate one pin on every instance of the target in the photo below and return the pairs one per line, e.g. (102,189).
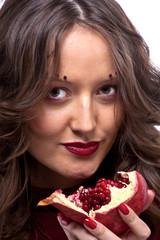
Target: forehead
(86,49)
(79,38)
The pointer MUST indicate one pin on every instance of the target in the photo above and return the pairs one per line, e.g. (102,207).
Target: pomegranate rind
(71,213)
(110,217)
(59,201)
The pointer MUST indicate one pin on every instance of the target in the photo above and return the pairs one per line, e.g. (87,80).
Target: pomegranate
(101,202)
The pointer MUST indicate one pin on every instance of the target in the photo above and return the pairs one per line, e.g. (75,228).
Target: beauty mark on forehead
(111,75)
(65,77)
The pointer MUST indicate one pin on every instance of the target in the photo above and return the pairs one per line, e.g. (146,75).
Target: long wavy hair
(28,31)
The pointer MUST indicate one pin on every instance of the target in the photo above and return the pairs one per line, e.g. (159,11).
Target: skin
(82,110)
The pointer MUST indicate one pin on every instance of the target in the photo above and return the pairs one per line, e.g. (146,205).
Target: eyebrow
(62,80)
(113,79)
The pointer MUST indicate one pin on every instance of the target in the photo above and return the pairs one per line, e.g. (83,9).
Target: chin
(82,173)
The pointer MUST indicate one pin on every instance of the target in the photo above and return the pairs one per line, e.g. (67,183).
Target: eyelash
(58,89)
(65,93)
(108,88)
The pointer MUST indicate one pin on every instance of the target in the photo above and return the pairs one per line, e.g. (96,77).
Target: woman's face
(77,124)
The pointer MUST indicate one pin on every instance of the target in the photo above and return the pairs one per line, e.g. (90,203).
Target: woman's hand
(93,230)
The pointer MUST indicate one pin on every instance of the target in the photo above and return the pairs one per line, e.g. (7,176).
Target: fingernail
(63,219)
(152,191)
(90,223)
(123,208)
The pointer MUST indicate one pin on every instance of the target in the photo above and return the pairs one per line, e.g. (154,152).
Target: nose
(84,118)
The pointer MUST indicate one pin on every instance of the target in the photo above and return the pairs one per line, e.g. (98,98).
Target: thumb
(151,195)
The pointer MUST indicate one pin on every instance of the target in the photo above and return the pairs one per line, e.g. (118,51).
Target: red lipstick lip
(80,148)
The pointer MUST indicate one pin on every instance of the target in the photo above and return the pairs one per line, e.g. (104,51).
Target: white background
(1,2)
(145,15)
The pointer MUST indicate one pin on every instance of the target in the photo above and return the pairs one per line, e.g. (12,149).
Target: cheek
(46,124)
(118,116)
(38,126)
(112,119)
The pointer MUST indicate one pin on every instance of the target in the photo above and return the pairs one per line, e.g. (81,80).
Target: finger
(99,230)
(137,226)
(64,222)
(151,195)
(73,230)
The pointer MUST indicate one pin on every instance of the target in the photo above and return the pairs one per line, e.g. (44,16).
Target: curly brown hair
(26,31)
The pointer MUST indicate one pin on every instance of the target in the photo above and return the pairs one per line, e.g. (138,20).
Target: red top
(46,226)
(45,223)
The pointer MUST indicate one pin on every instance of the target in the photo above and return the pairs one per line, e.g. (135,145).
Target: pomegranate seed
(98,185)
(85,208)
(101,193)
(95,190)
(102,196)
(107,192)
(90,190)
(109,182)
(112,183)
(108,199)
(100,189)
(81,197)
(97,207)
(90,195)
(125,180)
(90,206)
(95,195)
(90,200)
(102,180)
(85,196)
(120,185)
(85,202)
(95,202)
(103,185)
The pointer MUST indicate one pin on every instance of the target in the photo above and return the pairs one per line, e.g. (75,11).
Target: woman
(79,100)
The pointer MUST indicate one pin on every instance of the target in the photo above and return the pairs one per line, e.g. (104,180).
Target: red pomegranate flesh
(101,202)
